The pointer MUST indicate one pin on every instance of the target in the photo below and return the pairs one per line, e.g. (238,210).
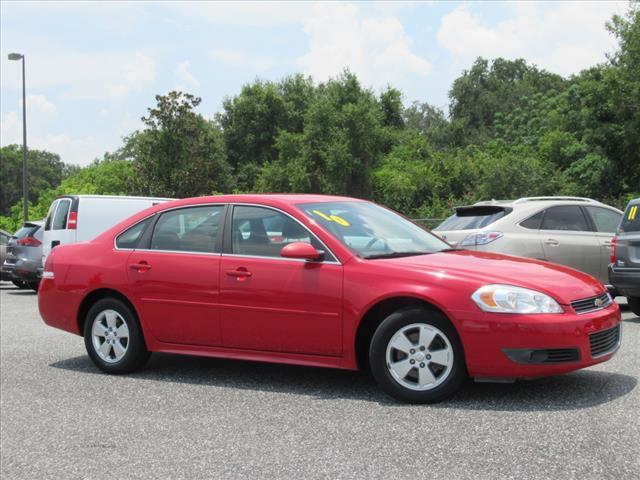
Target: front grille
(592,304)
(562,355)
(541,356)
(605,341)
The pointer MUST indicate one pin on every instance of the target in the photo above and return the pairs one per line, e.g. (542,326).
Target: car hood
(562,283)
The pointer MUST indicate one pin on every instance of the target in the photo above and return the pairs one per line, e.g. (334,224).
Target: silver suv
(571,231)
(624,270)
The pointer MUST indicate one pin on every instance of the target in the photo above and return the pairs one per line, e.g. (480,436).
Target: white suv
(571,231)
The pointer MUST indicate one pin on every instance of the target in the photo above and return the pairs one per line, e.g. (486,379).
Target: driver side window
(263,232)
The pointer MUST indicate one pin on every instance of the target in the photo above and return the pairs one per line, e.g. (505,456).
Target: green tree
(179,153)
(252,120)
(343,138)
(488,88)
(45,170)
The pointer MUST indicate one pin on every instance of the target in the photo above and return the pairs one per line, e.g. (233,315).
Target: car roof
(535,203)
(273,199)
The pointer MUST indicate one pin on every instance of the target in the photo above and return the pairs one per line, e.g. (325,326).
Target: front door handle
(140,267)
(552,241)
(239,273)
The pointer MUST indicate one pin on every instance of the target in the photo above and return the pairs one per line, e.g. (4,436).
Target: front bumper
(529,346)
(626,281)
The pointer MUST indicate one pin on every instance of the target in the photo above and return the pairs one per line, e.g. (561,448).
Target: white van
(78,218)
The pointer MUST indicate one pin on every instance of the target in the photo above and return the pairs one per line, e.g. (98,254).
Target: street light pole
(25,192)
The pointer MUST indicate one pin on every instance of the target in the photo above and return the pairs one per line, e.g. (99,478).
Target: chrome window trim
(264,257)
(326,248)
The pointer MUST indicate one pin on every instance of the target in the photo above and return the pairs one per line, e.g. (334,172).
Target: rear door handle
(140,267)
(238,273)
(552,241)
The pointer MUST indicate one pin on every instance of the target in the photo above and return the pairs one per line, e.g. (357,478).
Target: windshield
(371,231)
(470,218)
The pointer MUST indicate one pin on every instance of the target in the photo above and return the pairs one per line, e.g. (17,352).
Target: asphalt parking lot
(192,418)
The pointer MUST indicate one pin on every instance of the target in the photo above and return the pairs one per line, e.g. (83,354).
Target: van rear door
(56,231)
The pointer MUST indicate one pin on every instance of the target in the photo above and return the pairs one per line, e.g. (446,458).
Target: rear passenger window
(605,220)
(131,237)
(192,229)
(533,223)
(60,217)
(566,217)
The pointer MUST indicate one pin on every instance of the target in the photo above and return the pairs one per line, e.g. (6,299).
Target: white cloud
(94,76)
(79,151)
(244,13)
(563,37)
(185,78)
(242,60)
(378,50)
(39,106)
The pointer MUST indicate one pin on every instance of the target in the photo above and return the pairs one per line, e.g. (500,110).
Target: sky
(93,69)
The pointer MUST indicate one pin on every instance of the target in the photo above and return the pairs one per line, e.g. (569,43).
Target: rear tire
(20,284)
(34,285)
(113,337)
(634,305)
(416,356)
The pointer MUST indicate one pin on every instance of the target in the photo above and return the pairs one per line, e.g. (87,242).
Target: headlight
(510,299)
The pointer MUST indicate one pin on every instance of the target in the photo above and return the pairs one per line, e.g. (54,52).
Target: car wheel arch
(92,297)
(375,315)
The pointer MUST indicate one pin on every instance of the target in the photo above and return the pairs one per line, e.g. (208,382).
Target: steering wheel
(374,240)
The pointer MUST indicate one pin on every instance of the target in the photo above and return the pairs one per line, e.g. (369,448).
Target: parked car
(624,269)
(24,256)
(322,281)
(571,231)
(77,218)
(4,240)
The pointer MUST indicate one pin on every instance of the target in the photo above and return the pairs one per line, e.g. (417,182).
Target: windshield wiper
(450,250)
(394,255)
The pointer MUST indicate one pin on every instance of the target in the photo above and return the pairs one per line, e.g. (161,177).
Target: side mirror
(301,250)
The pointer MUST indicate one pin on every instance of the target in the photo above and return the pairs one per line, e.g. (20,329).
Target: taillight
(28,242)
(480,238)
(72,223)
(613,259)
(47,271)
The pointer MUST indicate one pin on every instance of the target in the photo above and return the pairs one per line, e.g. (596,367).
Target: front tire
(113,338)
(634,305)
(20,284)
(416,356)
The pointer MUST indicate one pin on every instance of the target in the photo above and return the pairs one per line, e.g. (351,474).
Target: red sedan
(324,281)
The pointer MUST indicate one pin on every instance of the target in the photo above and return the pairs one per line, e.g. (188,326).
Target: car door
(272,303)
(604,221)
(567,239)
(174,275)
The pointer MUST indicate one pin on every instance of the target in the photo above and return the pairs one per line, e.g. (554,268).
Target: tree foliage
(179,153)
